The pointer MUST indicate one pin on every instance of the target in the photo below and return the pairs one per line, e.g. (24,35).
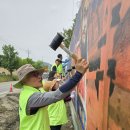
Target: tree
(1,58)
(25,61)
(20,62)
(10,58)
(38,64)
(67,33)
(67,36)
(29,61)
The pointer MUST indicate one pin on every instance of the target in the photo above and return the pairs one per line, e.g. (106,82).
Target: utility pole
(28,52)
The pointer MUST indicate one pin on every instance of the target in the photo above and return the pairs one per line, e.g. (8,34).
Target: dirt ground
(10,121)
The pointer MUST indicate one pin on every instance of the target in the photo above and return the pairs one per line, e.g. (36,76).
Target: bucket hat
(23,71)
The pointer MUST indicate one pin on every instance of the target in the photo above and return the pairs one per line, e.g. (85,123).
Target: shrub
(5,78)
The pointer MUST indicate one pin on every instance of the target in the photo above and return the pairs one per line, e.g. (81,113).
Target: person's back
(57,114)
(60,69)
(60,66)
(56,111)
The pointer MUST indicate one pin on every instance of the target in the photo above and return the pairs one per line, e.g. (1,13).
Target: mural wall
(102,36)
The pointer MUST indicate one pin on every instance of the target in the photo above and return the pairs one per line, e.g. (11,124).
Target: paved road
(5,87)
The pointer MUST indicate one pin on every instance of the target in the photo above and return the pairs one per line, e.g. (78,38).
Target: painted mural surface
(102,36)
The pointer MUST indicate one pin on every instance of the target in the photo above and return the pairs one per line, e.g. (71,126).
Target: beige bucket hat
(23,71)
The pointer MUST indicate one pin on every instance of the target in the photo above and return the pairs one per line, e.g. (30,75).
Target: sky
(31,25)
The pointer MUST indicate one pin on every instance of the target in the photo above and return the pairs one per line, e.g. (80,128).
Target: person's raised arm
(38,100)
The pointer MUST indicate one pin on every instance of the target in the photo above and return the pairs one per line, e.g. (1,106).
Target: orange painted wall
(102,36)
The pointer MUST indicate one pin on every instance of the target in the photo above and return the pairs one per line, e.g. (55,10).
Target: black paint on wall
(102,41)
(99,76)
(116,15)
(111,88)
(111,68)
(111,74)
(94,65)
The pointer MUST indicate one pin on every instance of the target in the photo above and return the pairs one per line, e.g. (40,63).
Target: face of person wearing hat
(30,76)
(33,79)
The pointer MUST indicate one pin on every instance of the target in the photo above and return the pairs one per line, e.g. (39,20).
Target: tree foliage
(39,64)
(1,58)
(67,36)
(9,58)
(67,33)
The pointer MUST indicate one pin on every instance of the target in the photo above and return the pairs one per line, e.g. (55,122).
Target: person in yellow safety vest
(60,66)
(60,69)
(33,102)
(55,65)
(56,111)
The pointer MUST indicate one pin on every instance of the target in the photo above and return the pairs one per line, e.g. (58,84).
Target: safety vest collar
(31,88)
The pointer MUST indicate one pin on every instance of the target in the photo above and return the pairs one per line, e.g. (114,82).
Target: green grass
(5,78)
